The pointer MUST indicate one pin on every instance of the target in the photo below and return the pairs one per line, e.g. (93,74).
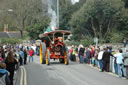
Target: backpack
(2,80)
(32,52)
(1,59)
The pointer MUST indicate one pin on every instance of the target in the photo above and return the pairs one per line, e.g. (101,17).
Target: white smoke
(74,1)
(52,13)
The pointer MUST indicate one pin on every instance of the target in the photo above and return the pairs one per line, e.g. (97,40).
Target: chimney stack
(5,27)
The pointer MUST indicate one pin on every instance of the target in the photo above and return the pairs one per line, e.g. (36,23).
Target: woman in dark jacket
(2,53)
(81,53)
(25,56)
(10,63)
(4,79)
(106,60)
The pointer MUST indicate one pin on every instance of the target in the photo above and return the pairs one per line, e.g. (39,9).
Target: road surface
(60,74)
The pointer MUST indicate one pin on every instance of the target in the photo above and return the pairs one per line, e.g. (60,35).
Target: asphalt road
(73,74)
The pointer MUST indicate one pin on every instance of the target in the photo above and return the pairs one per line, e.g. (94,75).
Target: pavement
(59,74)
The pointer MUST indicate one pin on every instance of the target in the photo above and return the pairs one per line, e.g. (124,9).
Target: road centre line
(21,78)
(25,77)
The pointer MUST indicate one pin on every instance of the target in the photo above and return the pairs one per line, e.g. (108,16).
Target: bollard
(111,64)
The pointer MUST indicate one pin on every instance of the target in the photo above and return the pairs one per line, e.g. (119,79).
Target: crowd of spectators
(14,56)
(11,58)
(100,57)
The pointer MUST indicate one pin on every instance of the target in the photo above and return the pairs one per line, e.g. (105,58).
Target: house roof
(10,35)
(4,35)
(15,34)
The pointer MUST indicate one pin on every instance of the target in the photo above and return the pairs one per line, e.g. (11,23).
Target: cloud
(75,1)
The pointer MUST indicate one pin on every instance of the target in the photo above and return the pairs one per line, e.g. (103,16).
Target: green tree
(122,23)
(65,14)
(126,3)
(25,12)
(37,28)
(96,18)
(66,11)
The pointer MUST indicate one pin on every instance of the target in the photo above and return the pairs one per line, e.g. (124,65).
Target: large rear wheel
(61,60)
(42,53)
(66,55)
(48,57)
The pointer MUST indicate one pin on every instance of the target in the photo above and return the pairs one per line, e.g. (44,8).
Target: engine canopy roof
(58,33)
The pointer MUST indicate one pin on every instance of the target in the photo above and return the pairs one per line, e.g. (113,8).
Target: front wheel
(48,57)
(66,54)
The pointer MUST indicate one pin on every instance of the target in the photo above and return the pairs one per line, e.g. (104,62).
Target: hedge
(10,41)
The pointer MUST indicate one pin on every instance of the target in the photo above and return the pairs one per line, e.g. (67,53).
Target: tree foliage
(97,18)
(86,19)
(37,28)
(66,11)
(126,3)
(25,12)
(10,41)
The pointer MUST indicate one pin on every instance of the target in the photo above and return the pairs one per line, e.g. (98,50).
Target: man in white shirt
(100,55)
(120,64)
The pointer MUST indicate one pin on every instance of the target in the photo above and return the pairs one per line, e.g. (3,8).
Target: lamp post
(96,41)
(6,25)
(58,14)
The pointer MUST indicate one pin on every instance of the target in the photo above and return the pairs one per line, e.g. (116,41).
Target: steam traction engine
(53,47)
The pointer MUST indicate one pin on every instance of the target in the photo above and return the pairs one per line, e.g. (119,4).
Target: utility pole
(96,41)
(58,14)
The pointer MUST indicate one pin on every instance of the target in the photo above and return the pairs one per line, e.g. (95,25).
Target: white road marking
(25,77)
(21,78)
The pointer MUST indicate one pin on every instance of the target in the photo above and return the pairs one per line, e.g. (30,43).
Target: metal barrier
(111,67)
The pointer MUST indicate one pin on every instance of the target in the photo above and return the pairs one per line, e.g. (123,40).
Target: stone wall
(115,46)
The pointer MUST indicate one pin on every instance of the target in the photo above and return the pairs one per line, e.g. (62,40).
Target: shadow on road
(58,63)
